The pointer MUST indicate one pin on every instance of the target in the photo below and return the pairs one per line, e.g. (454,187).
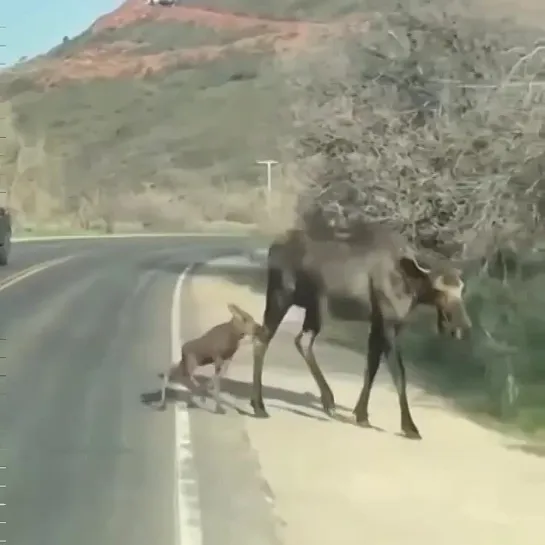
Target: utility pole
(269,163)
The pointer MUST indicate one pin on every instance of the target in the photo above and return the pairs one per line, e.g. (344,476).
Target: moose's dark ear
(412,268)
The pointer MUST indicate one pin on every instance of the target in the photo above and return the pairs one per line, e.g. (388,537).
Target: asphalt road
(86,461)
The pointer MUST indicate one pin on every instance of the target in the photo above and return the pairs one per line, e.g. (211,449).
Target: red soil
(121,59)
(133,11)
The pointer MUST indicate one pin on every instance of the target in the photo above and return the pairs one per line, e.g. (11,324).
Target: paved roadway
(86,462)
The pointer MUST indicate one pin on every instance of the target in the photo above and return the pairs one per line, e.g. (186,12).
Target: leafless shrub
(425,119)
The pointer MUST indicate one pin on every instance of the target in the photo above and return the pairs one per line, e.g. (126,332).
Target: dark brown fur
(382,274)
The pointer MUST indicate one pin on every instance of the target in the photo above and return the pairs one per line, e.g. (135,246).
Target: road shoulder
(235,502)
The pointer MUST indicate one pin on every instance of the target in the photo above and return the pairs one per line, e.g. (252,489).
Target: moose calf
(217,346)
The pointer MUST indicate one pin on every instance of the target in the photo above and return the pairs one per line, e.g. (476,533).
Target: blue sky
(35,26)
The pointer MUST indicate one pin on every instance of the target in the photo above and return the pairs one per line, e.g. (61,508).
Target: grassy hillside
(150,117)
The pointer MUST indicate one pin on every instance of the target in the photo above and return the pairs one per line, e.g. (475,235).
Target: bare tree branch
(425,120)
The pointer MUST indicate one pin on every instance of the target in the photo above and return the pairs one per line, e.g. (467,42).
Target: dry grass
(35,177)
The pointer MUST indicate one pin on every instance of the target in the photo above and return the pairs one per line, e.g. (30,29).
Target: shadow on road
(535,450)
(241,391)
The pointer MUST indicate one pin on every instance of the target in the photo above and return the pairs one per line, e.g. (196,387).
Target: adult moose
(380,272)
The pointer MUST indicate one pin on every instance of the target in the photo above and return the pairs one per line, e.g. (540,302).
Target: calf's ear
(242,315)
(413,268)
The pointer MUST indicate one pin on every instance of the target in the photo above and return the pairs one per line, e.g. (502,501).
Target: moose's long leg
(375,349)
(440,320)
(279,300)
(397,371)
(313,324)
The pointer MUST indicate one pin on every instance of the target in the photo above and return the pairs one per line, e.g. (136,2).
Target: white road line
(32,270)
(187,505)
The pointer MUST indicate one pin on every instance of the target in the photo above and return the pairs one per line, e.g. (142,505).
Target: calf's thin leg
(313,324)
(222,373)
(190,382)
(216,385)
(185,369)
(375,348)
(164,384)
(397,371)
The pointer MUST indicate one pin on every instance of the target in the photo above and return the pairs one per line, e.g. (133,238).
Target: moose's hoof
(261,413)
(328,405)
(411,432)
(259,410)
(363,421)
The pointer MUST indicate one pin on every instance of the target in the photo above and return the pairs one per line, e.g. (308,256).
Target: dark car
(5,235)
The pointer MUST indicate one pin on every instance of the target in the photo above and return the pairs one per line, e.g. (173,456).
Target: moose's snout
(459,321)
(454,321)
